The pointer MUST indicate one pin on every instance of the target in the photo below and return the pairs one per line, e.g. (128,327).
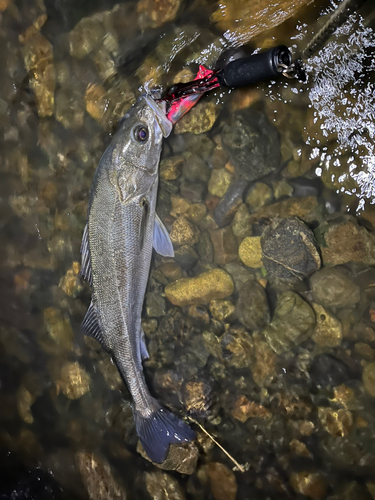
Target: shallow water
(280,368)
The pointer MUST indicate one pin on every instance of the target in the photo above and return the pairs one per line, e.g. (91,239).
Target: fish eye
(141,133)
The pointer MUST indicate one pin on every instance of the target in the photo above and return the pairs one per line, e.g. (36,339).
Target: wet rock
(245,409)
(351,491)
(241,21)
(186,256)
(205,248)
(196,212)
(230,202)
(155,305)
(184,232)
(250,252)
(293,323)
(85,36)
(258,196)
(110,374)
(58,327)
(192,191)
(98,478)
(328,329)
(214,284)
(153,13)
(252,143)
(24,401)
(309,484)
(252,306)
(171,168)
(219,182)
(328,370)
(179,205)
(38,58)
(368,378)
(222,481)
(196,169)
(345,241)
(303,208)
(289,250)
(199,398)
(222,310)
(336,422)
(263,367)
(365,351)
(241,225)
(199,120)
(237,347)
(72,283)
(239,273)
(171,270)
(299,448)
(332,288)
(70,111)
(162,486)
(180,458)
(224,244)
(96,101)
(74,381)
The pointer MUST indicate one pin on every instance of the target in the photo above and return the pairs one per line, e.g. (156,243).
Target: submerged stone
(368,378)
(219,182)
(214,284)
(289,250)
(310,484)
(224,244)
(74,381)
(183,232)
(250,252)
(332,288)
(245,409)
(199,120)
(162,486)
(328,329)
(222,480)
(252,306)
(293,323)
(181,458)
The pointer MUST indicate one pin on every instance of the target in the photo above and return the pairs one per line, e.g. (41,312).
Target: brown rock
(184,232)
(155,13)
(250,252)
(291,207)
(199,120)
(299,448)
(368,378)
(332,288)
(225,245)
(309,484)
(219,182)
(171,168)
(222,481)
(214,284)
(181,458)
(328,329)
(222,310)
(336,422)
(59,328)
(74,381)
(162,486)
(263,367)
(244,409)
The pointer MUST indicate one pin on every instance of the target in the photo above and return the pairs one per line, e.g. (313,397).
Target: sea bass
(122,228)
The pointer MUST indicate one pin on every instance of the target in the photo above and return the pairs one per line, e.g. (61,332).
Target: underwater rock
(205,248)
(368,378)
(229,203)
(328,329)
(336,422)
(196,212)
(155,13)
(303,208)
(258,196)
(345,241)
(222,310)
(59,328)
(38,58)
(252,306)
(222,481)
(289,250)
(224,244)
(310,484)
(199,398)
(171,168)
(237,347)
(186,256)
(241,224)
(69,108)
(332,288)
(155,305)
(24,401)
(72,283)
(201,289)
(181,458)
(219,182)
(250,252)
(110,374)
(199,120)
(239,273)
(263,367)
(245,409)
(86,36)
(293,323)
(183,232)
(162,486)
(299,448)
(253,144)
(96,101)
(196,169)
(328,370)
(98,478)
(74,381)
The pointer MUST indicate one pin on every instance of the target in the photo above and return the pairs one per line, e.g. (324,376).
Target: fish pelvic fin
(159,430)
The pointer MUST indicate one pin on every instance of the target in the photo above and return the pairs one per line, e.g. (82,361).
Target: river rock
(181,457)
(85,36)
(224,244)
(258,196)
(163,486)
(250,252)
(186,256)
(252,306)
(293,323)
(368,378)
(245,409)
(199,120)
(229,203)
(98,478)
(336,422)
(219,182)
(201,289)
(241,224)
(74,381)
(328,329)
(289,250)
(239,273)
(171,168)
(332,288)
(253,144)
(154,13)
(183,232)
(196,169)
(310,484)
(222,480)
(303,208)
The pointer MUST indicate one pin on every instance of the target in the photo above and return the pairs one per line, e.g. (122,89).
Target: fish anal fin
(85,256)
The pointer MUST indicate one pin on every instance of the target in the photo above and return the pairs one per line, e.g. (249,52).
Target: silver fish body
(122,228)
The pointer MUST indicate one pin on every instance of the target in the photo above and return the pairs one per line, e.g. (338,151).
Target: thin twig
(239,466)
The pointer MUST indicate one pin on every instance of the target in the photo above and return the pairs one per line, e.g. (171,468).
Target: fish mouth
(160,115)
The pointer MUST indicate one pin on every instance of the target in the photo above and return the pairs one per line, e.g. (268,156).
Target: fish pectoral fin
(85,257)
(90,326)
(162,242)
(144,352)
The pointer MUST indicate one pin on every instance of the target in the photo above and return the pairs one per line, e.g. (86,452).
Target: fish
(122,229)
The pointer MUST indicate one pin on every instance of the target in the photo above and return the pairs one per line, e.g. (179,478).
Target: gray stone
(332,288)
(252,306)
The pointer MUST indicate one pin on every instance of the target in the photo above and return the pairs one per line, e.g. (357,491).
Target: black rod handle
(255,68)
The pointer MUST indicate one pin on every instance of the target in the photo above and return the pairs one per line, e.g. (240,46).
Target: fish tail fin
(160,429)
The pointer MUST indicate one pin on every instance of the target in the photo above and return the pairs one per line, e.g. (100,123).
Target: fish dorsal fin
(162,242)
(85,256)
(90,326)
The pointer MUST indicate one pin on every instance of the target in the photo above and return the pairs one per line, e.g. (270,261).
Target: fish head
(136,147)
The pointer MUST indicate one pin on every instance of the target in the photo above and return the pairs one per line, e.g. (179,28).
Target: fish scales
(122,230)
